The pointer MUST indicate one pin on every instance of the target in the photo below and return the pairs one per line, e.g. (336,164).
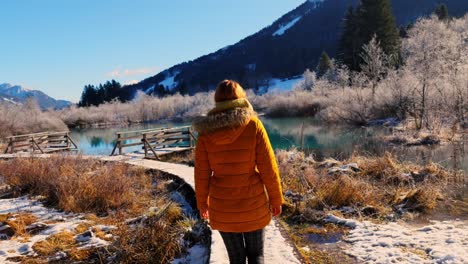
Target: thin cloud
(120,73)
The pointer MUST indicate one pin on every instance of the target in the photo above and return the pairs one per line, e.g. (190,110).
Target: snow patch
(439,242)
(286,26)
(10,101)
(341,221)
(64,222)
(169,82)
(186,208)
(196,254)
(280,85)
(316,1)
(150,89)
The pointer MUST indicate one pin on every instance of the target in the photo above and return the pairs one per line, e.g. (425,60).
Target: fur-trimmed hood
(224,127)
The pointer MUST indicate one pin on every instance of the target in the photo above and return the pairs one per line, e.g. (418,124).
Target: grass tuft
(62,241)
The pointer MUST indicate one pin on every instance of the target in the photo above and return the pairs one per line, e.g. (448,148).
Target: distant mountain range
(15,94)
(284,49)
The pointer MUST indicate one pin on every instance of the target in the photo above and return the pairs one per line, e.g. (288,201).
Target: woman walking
(237,183)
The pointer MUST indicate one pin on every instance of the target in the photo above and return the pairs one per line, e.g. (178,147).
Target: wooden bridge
(156,142)
(45,142)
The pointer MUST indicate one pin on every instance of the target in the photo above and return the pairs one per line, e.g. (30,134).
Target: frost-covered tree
(435,55)
(308,83)
(375,63)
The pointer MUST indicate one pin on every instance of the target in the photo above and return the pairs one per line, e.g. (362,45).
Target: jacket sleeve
(202,175)
(267,166)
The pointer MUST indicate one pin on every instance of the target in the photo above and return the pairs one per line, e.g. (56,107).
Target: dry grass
(62,241)
(19,222)
(379,186)
(185,157)
(157,240)
(75,184)
(108,194)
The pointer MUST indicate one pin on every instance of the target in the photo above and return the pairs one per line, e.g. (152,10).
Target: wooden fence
(156,142)
(167,141)
(127,139)
(45,142)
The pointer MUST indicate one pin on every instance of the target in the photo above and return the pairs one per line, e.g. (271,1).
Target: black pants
(244,245)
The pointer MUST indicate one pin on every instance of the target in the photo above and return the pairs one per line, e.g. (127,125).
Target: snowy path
(277,249)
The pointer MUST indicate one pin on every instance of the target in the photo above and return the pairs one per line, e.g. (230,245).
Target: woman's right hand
(204,214)
(276,210)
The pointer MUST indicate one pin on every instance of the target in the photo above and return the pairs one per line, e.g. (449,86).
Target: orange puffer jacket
(236,175)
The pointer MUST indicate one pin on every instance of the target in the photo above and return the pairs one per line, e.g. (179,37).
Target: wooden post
(68,140)
(119,143)
(12,148)
(10,144)
(71,141)
(144,145)
(37,145)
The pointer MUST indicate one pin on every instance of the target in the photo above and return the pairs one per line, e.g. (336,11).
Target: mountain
(15,94)
(284,49)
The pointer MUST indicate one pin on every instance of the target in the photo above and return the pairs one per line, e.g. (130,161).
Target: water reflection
(316,139)
(101,141)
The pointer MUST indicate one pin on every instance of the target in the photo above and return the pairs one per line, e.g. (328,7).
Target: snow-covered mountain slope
(16,94)
(284,49)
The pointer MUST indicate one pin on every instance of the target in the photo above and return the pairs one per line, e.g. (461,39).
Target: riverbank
(325,231)
(370,194)
(337,210)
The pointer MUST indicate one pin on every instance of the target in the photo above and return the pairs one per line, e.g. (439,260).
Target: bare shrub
(144,108)
(293,103)
(27,118)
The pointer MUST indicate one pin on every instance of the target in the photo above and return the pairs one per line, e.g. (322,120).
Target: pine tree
(324,65)
(376,17)
(442,12)
(371,17)
(349,47)
(88,96)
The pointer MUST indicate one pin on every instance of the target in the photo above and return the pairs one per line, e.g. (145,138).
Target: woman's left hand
(204,214)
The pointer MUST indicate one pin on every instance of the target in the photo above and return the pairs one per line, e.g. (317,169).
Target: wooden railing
(129,136)
(177,139)
(156,142)
(45,142)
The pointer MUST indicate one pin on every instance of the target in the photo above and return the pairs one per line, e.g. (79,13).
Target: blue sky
(58,46)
